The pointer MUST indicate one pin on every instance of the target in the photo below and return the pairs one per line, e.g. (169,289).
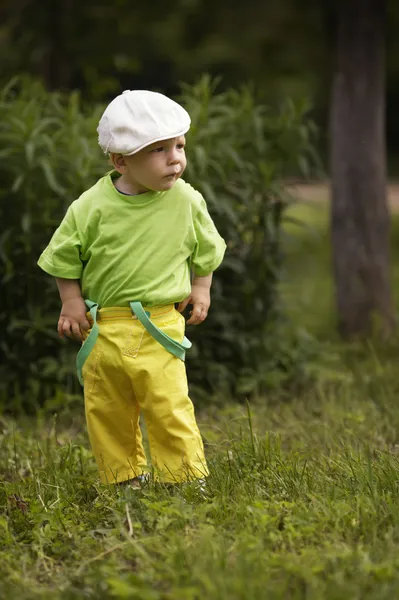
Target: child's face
(157,167)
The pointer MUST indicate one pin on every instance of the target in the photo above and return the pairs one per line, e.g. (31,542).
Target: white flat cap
(138,118)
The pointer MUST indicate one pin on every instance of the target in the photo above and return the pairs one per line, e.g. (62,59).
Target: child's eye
(157,149)
(180,146)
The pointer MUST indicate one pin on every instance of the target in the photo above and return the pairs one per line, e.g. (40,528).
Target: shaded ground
(320,191)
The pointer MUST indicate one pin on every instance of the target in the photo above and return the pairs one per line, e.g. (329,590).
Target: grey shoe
(137,482)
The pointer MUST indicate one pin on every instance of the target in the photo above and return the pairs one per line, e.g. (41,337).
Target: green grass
(302,502)
(307,285)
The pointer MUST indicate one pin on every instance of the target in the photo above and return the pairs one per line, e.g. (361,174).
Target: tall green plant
(49,156)
(239,154)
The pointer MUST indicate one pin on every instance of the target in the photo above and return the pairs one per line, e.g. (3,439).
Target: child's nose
(174,157)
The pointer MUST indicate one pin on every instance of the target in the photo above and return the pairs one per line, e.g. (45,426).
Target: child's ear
(118,160)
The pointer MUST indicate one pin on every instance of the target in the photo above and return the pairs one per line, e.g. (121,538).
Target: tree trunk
(360,217)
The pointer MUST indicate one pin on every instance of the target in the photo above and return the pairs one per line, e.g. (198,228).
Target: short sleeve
(61,258)
(210,246)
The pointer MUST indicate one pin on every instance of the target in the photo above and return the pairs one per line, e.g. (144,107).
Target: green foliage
(49,156)
(302,503)
(285,44)
(239,151)
(239,154)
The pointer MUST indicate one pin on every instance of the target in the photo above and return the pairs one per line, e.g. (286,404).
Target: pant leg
(160,384)
(112,410)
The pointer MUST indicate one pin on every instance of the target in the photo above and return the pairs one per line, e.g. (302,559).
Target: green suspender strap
(88,344)
(171,345)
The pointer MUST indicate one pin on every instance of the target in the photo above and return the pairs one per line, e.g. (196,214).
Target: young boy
(132,241)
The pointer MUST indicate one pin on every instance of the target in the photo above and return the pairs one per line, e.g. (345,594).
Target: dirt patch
(320,192)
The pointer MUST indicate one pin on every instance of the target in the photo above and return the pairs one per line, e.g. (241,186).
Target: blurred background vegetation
(256,79)
(240,151)
(101,48)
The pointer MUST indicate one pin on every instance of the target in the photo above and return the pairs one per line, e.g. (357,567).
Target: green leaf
(51,177)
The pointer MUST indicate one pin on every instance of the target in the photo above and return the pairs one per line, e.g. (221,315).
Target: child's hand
(200,298)
(73,319)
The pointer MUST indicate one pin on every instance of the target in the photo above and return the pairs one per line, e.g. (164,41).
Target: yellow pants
(126,373)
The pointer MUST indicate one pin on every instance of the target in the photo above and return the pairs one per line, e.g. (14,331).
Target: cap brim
(160,139)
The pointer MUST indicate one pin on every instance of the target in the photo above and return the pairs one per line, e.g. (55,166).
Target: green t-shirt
(126,248)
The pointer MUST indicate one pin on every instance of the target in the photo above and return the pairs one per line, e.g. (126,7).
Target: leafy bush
(239,152)
(49,156)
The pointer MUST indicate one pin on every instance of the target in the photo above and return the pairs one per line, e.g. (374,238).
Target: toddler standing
(126,250)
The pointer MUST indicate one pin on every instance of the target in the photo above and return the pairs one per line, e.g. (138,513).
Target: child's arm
(73,312)
(200,298)
(207,255)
